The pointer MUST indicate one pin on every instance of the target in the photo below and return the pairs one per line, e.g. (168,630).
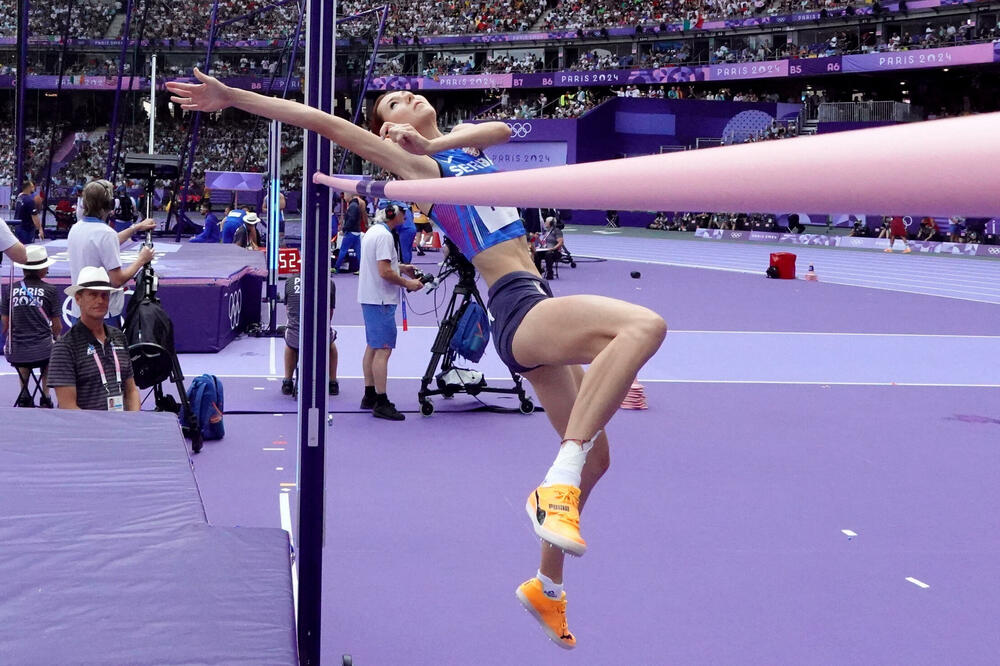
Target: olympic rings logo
(736,235)
(994,250)
(235,307)
(520,130)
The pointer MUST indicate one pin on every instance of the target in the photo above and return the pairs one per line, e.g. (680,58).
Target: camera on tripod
(452,380)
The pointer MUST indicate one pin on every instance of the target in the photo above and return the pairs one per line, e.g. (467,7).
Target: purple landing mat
(68,475)
(175,261)
(699,299)
(188,595)
(106,556)
(211,292)
(712,540)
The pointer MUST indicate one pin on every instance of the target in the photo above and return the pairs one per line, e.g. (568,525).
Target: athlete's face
(405,107)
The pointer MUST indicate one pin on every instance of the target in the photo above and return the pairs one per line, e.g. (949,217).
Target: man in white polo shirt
(93,243)
(379,280)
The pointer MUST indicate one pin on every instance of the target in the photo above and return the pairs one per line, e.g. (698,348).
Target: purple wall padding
(212,292)
(106,556)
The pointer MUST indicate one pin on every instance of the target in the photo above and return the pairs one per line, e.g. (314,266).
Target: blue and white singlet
(473,228)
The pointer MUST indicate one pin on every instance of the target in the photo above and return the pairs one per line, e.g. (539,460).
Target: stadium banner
(514,156)
(972,54)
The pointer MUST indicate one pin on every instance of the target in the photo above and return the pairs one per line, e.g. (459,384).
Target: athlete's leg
(556,388)
(616,338)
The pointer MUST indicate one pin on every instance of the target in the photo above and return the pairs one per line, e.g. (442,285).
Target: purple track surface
(717,535)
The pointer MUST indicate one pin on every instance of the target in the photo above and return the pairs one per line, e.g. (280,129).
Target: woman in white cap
(90,366)
(31,319)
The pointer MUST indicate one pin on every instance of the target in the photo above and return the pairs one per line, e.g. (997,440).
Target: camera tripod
(465,292)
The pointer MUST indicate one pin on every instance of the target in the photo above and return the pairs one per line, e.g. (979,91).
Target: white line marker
(918,583)
(279,414)
(285,509)
(272,361)
(286,490)
(279,469)
(850,533)
(259,388)
(273,448)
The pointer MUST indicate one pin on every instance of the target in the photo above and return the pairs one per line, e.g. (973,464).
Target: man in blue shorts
(379,280)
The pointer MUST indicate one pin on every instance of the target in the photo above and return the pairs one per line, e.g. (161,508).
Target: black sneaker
(46,402)
(287,386)
(367,403)
(388,412)
(334,388)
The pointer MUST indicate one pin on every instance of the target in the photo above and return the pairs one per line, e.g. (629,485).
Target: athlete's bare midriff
(503,258)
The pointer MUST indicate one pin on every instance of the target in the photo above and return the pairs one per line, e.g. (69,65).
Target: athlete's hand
(209,95)
(406,137)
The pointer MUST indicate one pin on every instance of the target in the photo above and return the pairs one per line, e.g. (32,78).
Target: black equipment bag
(149,334)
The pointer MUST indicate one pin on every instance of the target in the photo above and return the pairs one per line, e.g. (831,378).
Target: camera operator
(406,231)
(92,242)
(380,276)
(548,247)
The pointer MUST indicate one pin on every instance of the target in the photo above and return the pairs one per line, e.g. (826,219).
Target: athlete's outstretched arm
(476,135)
(213,95)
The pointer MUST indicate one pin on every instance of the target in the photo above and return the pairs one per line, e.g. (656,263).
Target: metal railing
(706,142)
(855,112)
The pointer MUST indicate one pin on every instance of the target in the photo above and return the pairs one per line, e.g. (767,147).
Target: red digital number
(288,261)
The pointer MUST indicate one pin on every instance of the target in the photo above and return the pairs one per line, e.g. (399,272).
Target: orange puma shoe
(555,515)
(550,613)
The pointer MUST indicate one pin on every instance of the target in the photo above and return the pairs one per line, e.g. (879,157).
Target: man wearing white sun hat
(90,366)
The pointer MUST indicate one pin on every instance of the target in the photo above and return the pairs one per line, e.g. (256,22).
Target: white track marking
(918,583)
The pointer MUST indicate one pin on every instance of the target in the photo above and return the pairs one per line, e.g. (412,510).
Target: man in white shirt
(92,242)
(379,280)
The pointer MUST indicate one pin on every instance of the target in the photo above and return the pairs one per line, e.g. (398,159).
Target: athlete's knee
(648,327)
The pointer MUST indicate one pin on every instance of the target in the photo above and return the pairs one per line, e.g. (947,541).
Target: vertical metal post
(314,330)
(152,104)
(23,7)
(273,222)
(109,171)
(195,126)
(368,78)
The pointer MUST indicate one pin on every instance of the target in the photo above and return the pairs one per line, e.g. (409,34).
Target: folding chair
(30,375)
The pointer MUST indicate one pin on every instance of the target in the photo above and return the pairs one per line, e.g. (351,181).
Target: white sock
(568,466)
(550,589)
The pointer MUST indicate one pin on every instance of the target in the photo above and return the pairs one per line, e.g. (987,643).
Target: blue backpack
(472,333)
(207,401)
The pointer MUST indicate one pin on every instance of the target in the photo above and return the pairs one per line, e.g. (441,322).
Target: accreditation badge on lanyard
(116,401)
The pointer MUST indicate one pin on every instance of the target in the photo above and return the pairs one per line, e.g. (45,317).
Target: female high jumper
(546,339)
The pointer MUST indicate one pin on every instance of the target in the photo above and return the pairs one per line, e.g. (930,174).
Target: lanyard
(100,366)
